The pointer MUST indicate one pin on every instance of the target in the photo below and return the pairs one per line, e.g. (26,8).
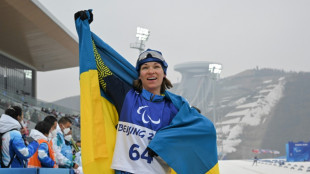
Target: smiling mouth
(152,78)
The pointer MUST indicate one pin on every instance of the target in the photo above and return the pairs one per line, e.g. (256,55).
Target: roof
(32,36)
(195,67)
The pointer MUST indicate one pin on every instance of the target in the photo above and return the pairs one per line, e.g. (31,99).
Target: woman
(14,152)
(184,139)
(143,110)
(44,156)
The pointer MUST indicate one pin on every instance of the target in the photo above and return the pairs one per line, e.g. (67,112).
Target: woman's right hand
(83,15)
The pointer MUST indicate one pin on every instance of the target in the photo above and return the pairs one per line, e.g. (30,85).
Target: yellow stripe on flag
(215,169)
(98,120)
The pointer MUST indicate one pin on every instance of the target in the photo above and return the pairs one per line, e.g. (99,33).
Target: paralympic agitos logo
(144,120)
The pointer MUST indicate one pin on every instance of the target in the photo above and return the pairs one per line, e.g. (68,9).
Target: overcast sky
(239,34)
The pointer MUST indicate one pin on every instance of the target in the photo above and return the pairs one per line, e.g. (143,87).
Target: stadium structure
(32,40)
(198,84)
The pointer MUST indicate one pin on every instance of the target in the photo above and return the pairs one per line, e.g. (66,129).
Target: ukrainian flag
(188,144)
(98,115)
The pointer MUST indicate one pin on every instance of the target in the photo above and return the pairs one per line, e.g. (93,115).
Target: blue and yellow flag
(188,144)
(98,115)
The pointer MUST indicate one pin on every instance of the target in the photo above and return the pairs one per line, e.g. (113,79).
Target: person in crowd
(44,156)
(62,144)
(53,133)
(53,121)
(14,152)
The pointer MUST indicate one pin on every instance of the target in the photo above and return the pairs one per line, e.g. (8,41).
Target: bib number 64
(134,154)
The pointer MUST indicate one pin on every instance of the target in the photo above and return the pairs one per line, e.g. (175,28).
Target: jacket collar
(152,97)
(35,134)
(8,123)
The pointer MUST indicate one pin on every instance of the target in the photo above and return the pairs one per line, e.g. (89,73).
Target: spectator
(62,145)
(53,122)
(14,152)
(44,156)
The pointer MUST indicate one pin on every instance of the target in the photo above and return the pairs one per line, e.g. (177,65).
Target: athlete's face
(152,75)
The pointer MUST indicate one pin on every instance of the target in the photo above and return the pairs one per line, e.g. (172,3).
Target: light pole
(216,70)
(142,36)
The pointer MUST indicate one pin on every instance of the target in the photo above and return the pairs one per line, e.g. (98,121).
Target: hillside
(70,102)
(262,109)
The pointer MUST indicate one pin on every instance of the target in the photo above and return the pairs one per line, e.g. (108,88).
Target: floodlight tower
(142,36)
(215,70)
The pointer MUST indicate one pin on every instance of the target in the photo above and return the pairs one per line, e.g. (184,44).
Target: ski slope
(245,167)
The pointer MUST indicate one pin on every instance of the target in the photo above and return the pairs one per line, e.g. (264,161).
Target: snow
(252,118)
(235,132)
(265,91)
(258,96)
(281,78)
(225,129)
(267,81)
(270,86)
(230,144)
(248,105)
(239,102)
(245,167)
(231,121)
(238,113)
(253,113)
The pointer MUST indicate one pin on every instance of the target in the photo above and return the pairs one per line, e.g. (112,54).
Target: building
(198,83)
(31,40)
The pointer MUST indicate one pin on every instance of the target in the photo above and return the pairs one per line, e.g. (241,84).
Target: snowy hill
(261,109)
(70,102)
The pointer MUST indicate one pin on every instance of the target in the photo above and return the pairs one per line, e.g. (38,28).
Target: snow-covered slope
(261,109)
(246,167)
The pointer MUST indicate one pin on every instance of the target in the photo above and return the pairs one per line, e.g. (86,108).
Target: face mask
(66,130)
(54,133)
(68,137)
